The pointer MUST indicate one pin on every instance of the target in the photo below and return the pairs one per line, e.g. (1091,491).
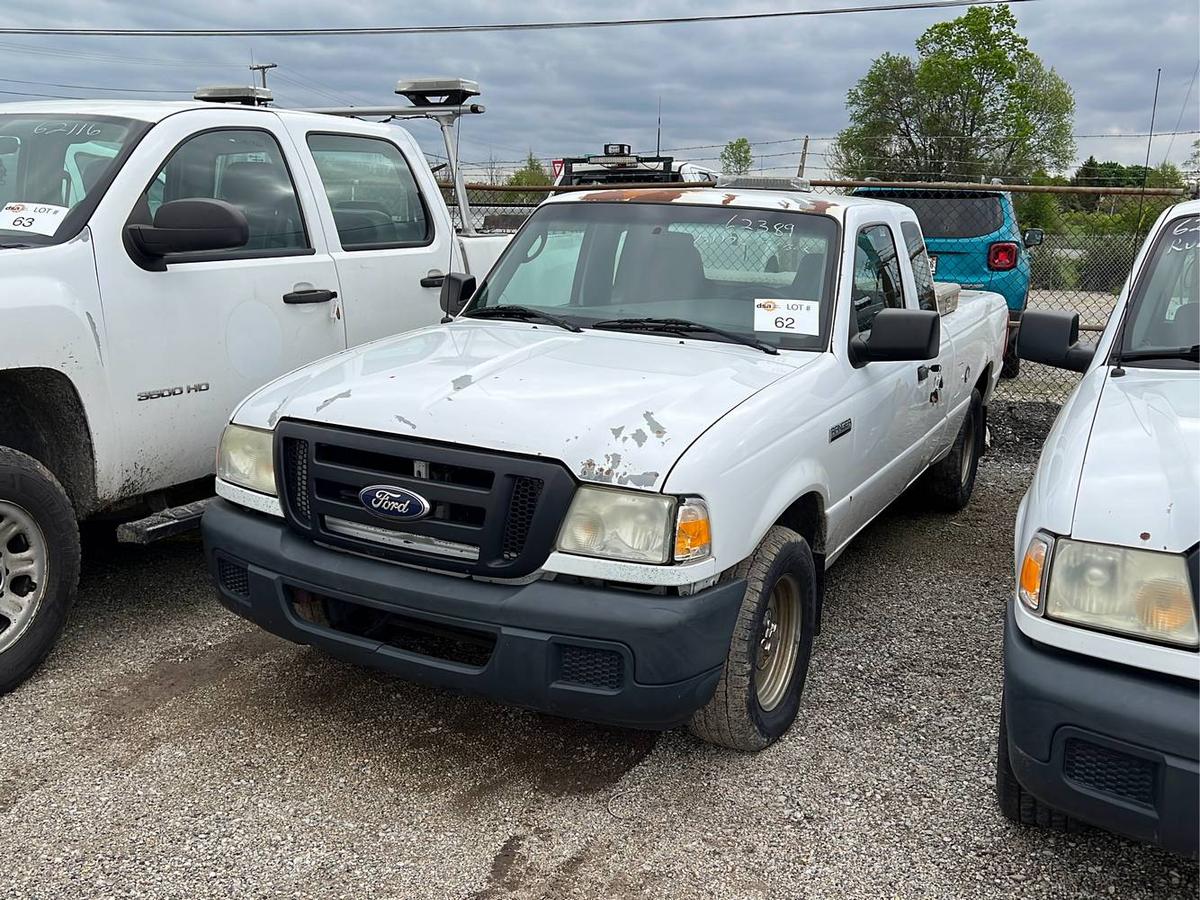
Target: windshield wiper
(526,313)
(682,326)
(1191,353)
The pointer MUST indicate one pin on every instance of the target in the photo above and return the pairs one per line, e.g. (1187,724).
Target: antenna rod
(658,137)
(1146,168)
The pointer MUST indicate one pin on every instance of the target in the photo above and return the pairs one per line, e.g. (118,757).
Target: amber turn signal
(1029,588)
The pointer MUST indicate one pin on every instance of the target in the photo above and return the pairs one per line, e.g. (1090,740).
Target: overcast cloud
(567,92)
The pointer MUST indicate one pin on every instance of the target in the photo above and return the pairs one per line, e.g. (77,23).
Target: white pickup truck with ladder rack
(160,261)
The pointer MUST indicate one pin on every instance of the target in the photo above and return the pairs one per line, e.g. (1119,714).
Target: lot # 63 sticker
(40,218)
(787,316)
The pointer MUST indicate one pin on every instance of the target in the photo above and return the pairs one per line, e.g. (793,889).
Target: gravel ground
(170,750)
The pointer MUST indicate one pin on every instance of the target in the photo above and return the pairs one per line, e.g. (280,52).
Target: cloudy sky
(567,92)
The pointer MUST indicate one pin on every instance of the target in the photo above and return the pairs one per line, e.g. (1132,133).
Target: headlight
(1138,593)
(619,524)
(246,458)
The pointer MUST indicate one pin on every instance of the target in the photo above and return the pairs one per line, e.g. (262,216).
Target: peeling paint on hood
(614,408)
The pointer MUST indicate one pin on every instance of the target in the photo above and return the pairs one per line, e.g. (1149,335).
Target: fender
(50,308)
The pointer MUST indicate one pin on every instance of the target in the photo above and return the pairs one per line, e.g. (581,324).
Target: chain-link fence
(1047,247)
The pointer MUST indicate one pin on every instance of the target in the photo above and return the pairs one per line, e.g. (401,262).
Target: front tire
(39,564)
(758,695)
(1016,803)
(950,482)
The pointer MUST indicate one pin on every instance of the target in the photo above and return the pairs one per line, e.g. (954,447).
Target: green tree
(736,158)
(975,102)
(533,173)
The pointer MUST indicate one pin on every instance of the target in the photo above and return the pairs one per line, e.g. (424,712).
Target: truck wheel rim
(778,643)
(23,564)
(968,456)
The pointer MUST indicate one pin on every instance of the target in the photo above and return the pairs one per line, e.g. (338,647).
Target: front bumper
(1107,744)
(588,652)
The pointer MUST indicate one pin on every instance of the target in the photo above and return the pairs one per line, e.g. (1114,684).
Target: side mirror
(191,226)
(457,289)
(899,335)
(1052,338)
(1034,237)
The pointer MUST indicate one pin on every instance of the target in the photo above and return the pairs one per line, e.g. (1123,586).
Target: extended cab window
(922,272)
(244,168)
(876,276)
(372,192)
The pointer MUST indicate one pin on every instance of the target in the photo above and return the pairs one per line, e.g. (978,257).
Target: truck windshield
(1162,324)
(50,169)
(759,273)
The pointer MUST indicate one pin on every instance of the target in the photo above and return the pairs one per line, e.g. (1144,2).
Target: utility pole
(261,68)
(803,158)
(658,136)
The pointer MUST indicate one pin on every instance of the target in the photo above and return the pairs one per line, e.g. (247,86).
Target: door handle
(433,280)
(312,295)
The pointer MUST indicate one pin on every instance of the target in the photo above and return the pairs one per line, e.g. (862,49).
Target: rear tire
(39,564)
(950,482)
(758,695)
(1016,803)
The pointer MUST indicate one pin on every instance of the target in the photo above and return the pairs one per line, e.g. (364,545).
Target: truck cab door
(939,373)
(890,402)
(190,335)
(390,236)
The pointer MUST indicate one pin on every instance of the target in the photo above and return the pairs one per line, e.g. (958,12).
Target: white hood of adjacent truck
(1141,473)
(615,408)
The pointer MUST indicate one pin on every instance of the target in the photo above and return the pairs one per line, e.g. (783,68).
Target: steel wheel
(968,456)
(23,570)
(778,643)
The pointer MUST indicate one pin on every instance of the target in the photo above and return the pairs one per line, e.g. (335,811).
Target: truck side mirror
(1034,237)
(1052,338)
(457,289)
(191,226)
(898,335)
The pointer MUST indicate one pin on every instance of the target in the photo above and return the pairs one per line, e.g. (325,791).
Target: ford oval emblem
(391,502)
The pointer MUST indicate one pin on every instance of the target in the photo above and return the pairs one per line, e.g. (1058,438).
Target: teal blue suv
(973,239)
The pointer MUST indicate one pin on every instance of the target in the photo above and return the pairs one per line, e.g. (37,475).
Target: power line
(95,87)
(1182,109)
(103,57)
(512,26)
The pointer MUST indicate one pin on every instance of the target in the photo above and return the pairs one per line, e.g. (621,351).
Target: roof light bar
(764,183)
(247,95)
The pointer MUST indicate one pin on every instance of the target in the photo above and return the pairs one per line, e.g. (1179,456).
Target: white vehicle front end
(1101,664)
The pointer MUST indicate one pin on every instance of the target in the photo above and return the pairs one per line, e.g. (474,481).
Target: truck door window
(243,167)
(876,276)
(922,273)
(372,192)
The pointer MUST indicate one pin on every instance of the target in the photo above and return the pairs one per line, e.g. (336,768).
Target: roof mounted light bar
(245,94)
(764,183)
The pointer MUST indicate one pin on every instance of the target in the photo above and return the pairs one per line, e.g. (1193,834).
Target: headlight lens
(617,524)
(246,458)
(1140,593)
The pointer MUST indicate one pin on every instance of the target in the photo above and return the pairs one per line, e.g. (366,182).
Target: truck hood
(1140,482)
(614,408)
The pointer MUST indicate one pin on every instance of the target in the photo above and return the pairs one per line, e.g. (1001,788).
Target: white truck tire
(39,564)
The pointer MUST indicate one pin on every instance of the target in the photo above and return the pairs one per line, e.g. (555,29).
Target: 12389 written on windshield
(787,316)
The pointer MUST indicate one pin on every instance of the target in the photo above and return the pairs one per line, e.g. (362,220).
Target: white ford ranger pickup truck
(161,260)
(1101,714)
(610,487)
